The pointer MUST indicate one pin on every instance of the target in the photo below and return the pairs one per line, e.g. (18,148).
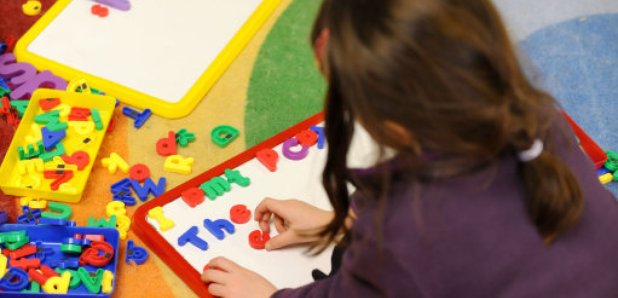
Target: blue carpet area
(577,61)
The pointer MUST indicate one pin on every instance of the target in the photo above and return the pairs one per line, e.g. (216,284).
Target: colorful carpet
(272,85)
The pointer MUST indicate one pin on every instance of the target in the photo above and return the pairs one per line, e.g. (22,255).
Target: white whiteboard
(285,268)
(159,49)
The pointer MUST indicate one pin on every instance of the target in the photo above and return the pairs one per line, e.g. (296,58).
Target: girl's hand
(227,279)
(296,222)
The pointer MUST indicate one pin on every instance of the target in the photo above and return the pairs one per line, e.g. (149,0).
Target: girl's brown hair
(446,72)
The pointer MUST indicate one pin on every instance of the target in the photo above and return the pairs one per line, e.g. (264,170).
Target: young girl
(488,194)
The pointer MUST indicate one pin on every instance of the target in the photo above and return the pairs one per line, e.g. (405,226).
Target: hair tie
(533,153)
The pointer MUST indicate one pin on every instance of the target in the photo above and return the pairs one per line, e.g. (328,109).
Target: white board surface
(158,47)
(285,268)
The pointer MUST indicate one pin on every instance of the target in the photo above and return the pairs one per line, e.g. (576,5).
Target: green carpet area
(285,85)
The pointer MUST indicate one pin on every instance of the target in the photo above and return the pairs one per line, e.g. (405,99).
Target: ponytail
(554,198)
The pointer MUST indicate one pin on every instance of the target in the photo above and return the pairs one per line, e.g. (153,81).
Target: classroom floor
(570,47)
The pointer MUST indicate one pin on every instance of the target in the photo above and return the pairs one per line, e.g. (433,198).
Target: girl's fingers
(214,276)
(217,290)
(224,264)
(261,209)
(268,205)
(265,222)
(282,240)
(279,225)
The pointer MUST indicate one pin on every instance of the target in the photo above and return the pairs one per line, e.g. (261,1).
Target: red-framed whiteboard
(188,261)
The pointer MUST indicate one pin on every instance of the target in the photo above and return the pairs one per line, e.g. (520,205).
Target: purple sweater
(471,237)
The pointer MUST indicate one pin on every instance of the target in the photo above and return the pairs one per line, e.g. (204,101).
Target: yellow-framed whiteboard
(161,54)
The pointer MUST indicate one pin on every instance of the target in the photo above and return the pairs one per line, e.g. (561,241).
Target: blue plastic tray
(52,236)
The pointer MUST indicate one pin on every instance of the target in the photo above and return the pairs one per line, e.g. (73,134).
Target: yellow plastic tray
(14,183)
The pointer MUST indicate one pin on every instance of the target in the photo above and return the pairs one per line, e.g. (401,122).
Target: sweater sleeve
(342,284)
(365,272)
(367,269)
(320,288)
